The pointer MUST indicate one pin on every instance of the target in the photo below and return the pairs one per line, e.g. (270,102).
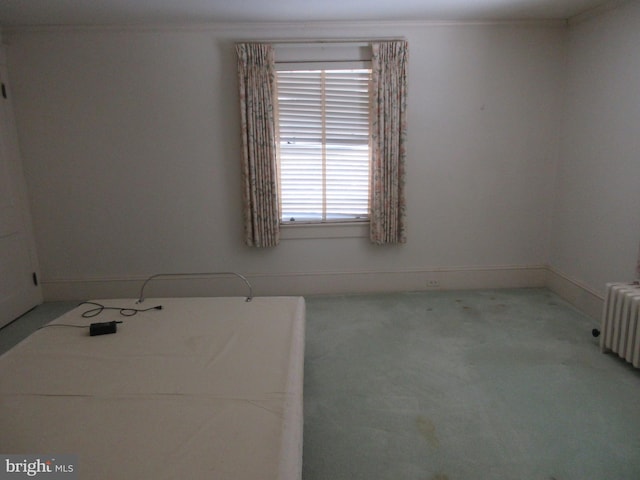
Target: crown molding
(270,26)
(596,11)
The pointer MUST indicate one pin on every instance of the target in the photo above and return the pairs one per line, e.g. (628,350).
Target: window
(323,144)
(261,141)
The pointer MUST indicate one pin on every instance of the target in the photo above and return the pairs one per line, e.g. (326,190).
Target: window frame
(352,225)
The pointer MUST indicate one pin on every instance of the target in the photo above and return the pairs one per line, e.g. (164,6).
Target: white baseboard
(312,283)
(334,283)
(576,293)
(452,278)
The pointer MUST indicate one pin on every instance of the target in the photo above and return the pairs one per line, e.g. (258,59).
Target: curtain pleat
(388,142)
(256,73)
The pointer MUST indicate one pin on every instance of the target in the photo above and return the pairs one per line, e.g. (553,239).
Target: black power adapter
(103,328)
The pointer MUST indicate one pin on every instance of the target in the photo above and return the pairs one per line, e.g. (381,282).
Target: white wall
(596,227)
(131,145)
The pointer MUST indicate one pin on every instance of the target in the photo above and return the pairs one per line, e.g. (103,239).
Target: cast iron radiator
(621,323)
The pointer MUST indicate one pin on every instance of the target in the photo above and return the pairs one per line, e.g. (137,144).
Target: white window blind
(323,126)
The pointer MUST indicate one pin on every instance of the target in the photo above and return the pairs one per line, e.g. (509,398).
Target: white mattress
(206,388)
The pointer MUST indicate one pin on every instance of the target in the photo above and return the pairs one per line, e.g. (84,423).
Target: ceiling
(155,12)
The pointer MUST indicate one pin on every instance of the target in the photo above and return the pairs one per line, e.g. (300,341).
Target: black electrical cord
(124,311)
(98,309)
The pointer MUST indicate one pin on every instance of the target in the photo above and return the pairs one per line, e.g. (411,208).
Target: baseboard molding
(576,293)
(311,283)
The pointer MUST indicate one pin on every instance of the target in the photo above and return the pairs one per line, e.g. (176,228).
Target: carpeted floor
(478,385)
(473,385)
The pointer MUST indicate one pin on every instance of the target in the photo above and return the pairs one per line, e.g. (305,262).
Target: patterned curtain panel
(388,136)
(638,265)
(256,72)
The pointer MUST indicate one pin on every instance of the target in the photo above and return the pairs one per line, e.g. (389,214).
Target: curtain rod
(307,41)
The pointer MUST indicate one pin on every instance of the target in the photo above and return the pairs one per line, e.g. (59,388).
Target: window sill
(290,231)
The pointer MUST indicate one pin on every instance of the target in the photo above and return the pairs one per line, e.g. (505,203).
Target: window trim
(301,231)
